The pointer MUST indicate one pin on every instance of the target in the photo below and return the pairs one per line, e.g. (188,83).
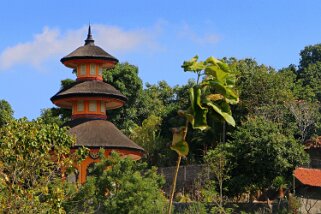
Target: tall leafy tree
(262,90)
(126,187)
(6,112)
(309,71)
(210,96)
(310,77)
(310,55)
(258,153)
(31,157)
(307,116)
(124,77)
(148,136)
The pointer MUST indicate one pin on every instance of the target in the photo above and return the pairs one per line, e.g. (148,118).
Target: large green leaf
(198,111)
(179,144)
(193,65)
(229,94)
(213,61)
(223,110)
(216,72)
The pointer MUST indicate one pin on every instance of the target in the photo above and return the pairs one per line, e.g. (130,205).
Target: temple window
(73,176)
(92,106)
(82,70)
(92,70)
(80,106)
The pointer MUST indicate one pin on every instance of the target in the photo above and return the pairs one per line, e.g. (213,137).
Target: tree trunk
(174,185)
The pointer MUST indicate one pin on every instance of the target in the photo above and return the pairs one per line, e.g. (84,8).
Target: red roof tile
(311,177)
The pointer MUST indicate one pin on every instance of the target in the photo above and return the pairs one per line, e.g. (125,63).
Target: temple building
(89,98)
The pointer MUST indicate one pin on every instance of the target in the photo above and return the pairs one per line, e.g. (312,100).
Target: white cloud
(207,38)
(51,43)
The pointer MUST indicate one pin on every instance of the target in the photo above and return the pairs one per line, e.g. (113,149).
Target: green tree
(157,99)
(263,91)
(148,136)
(310,76)
(31,157)
(124,77)
(126,187)
(258,153)
(310,55)
(307,117)
(55,115)
(218,166)
(6,112)
(309,71)
(212,96)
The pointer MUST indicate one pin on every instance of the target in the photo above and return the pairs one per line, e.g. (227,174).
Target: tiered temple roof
(89,98)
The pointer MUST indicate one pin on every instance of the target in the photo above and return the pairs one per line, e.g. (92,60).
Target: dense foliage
(6,112)
(258,153)
(126,187)
(32,155)
(278,111)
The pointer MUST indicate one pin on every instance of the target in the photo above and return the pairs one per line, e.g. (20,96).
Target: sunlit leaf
(224,112)
(193,65)
(217,72)
(215,97)
(198,111)
(178,143)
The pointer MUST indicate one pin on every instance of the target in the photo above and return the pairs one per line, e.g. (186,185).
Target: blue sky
(156,36)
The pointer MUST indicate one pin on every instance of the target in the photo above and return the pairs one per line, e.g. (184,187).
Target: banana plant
(212,95)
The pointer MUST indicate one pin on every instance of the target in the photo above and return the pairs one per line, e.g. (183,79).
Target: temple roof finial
(89,40)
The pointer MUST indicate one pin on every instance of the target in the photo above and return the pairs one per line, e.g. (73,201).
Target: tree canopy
(31,157)
(258,152)
(126,187)
(6,112)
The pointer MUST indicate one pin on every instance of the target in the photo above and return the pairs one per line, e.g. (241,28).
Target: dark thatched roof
(89,51)
(96,133)
(91,88)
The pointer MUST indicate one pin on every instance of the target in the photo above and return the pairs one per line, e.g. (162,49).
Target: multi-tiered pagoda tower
(89,98)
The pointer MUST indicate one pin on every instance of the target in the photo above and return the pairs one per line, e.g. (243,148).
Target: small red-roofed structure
(308,189)
(310,177)
(308,180)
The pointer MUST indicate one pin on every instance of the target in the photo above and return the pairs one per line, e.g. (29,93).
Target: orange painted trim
(98,107)
(82,167)
(87,70)
(99,78)
(97,69)
(92,116)
(74,106)
(86,106)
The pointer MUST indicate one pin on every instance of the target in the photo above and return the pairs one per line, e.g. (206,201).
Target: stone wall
(310,206)
(185,178)
(310,199)
(255,208)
